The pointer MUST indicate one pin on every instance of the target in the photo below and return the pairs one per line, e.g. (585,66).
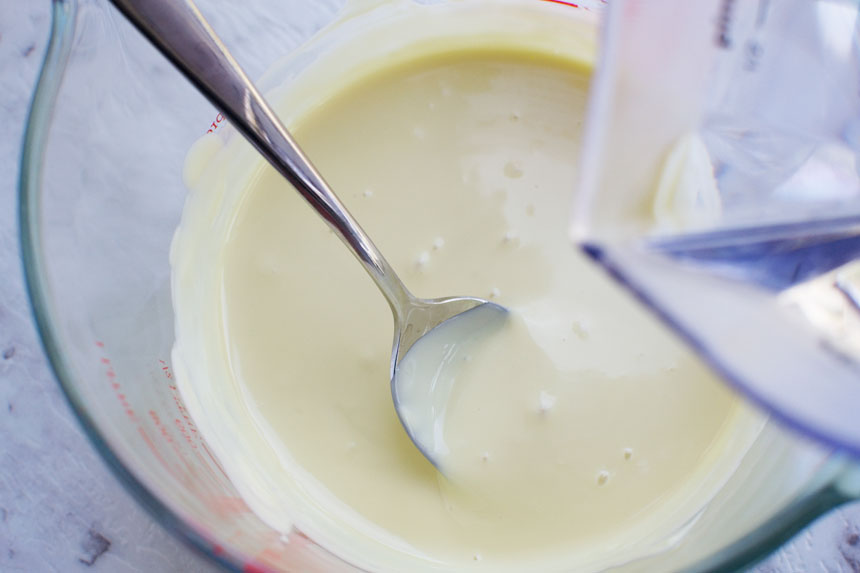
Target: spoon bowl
(425,365)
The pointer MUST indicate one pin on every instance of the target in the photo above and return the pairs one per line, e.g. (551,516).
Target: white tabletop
(60,507)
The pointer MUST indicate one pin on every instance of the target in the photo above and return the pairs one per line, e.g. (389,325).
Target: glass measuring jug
(101,195)
(736,215)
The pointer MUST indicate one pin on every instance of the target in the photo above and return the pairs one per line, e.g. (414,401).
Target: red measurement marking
(168,437)
(185,472)
(110,373)
(563,3)
(176,399)
(182,430)
(122,399)
(189,431)
(187,421)
(214,125)
(186,425)
(162,428)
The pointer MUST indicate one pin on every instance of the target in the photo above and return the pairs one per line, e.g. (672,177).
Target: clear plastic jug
(720,184)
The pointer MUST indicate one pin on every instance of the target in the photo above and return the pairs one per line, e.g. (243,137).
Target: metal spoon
(179,31)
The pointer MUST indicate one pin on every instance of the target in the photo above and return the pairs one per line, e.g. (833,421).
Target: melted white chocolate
(582,436)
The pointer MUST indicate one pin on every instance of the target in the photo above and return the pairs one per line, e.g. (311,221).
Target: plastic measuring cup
(101,194)
(720,184)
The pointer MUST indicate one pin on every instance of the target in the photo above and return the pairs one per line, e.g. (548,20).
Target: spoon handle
(179,31)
